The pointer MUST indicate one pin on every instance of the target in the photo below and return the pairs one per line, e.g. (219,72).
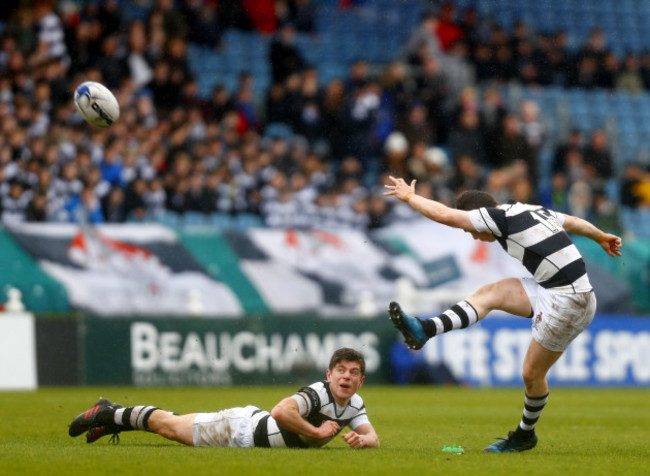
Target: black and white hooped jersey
(316,405)
(535,236)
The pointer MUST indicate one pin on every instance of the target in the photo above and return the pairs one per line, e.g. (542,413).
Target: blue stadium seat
(220,220)
(248,220)
(168,218)
(191,218)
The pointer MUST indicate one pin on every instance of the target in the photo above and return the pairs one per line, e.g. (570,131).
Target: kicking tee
(316,405)
(534,235)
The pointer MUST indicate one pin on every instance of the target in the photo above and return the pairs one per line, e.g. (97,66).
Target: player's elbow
(278,413)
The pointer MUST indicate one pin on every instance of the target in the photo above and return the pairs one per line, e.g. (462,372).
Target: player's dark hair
(351,355)
(473,199)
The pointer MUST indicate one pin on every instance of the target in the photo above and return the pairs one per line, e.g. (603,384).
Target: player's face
(345,379)
(483,236)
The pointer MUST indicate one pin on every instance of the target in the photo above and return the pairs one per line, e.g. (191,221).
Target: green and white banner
(153,270)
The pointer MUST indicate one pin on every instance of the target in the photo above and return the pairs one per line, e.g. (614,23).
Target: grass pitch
(582,431)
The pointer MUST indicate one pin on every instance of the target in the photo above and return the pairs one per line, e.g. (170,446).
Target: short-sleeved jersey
(534,235)
(316,405)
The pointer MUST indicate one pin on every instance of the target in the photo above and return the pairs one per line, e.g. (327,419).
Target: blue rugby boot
(512,445)
(410,327)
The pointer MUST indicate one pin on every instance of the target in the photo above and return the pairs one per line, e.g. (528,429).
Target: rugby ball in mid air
(96,104)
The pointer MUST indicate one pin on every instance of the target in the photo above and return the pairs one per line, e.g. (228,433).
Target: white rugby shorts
(232,427)
(558,318)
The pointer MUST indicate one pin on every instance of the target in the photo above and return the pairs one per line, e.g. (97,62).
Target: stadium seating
(377,30)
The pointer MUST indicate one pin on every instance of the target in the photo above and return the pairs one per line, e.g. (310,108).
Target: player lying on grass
(310,418)
(559,298)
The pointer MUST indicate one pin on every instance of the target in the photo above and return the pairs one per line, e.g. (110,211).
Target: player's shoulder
(320,386)
(317,390)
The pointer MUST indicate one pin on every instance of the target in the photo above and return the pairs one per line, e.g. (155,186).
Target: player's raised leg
(506,295)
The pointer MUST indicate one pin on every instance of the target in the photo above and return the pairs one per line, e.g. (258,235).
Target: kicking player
(310,418)
(559,297)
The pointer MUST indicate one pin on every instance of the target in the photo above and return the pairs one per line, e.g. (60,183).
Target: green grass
(582,431)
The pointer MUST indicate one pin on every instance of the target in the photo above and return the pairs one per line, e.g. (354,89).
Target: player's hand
(400,188)
(354,440)
(328,429)
(611,244)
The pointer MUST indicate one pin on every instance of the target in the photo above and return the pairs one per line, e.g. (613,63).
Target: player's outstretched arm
(432,209)
(610,243)
(363,437)
(287,414)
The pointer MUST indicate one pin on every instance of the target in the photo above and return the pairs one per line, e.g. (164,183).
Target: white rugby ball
(96,104)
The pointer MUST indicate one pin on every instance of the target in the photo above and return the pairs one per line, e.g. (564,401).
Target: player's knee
(490,295)
(531,375)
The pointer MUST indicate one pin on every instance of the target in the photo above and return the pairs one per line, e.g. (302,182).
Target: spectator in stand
(605,213)
(609,72)
(505,68)
(574,141)
(595,45)
(165,16)
(447,28)
(138,60)
(556,196)
(113,207)
(360,121)
(110,16)
(512,146)
(416,164)
(598,159)
(202,23)
(333,108)
(165,93)
(533,131)
(284,56)
(468,174)
(154,199)
(586,73)
(50,35)
(378,211)
(432,88)
(84,207)
(573,167)
(15,203)
(580,199)
(629,78)
(396,150)
(527,63)
(423,42)
(220,103)
(111,62)
(302,13)
(491,112)
(135,207)
(635,189)
(645,69)
(483,60)
(466,138)
(416,125)
(37,208)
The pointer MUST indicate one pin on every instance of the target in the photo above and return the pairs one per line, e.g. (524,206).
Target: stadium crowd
(306,153)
